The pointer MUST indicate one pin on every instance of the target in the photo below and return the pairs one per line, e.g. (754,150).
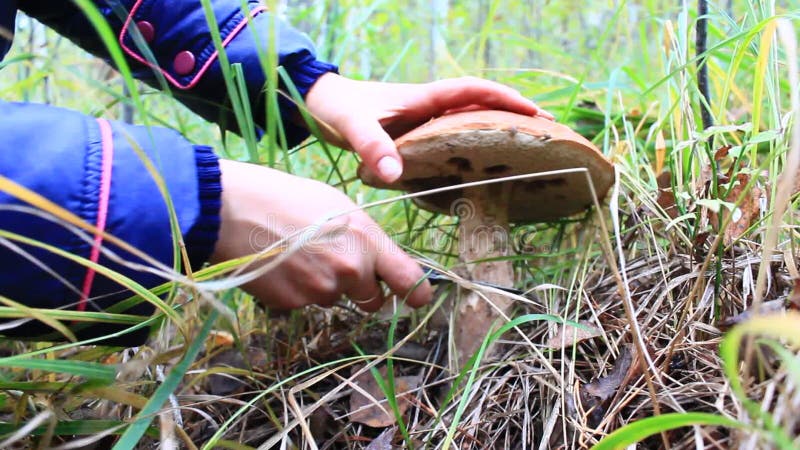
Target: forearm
(95,170)
(179,39)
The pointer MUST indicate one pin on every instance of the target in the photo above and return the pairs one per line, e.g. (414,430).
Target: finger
(367,294)
(276,293)
(465,109)
(303,279)
(456,93)
(403,275)
(356,273)
(375,147)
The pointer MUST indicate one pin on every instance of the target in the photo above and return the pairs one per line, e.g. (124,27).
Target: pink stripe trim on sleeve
(196,79)
(107,142)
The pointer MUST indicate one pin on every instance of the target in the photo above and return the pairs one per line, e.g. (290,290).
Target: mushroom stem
(483,234)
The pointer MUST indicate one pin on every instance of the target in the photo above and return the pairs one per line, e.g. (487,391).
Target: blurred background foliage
(560,53)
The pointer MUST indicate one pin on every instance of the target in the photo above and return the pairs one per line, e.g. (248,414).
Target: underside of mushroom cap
(481,145)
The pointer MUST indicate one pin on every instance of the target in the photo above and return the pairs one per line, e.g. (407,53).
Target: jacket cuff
(304,71)
(202,237)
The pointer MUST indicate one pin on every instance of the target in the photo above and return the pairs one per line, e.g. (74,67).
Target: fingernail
(389,168)
(546,115)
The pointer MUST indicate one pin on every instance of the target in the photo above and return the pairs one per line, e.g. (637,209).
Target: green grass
(623,74)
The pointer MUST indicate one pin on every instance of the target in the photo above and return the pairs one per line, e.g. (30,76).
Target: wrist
(307,75)
(203,235)
(323,107)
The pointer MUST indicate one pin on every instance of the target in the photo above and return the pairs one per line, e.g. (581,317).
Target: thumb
(376,148)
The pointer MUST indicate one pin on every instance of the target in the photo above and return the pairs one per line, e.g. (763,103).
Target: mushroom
(481,145)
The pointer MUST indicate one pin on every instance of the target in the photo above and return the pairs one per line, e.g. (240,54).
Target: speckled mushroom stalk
(483,248)
(481,145)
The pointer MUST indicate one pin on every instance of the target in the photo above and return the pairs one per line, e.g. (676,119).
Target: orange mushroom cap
(481,145)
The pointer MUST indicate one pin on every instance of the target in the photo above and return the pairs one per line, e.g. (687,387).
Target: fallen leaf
(747,212)
(222,383)
(321,422)
(595,395)
(220,339)
(699,247)
(569,335)
(383,441)
(666,198)
(225,384)
(605,387)
(664,180)
(375,411)
(722,152)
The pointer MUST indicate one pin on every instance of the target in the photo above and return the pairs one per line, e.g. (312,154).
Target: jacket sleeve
(179,38)
(91,167)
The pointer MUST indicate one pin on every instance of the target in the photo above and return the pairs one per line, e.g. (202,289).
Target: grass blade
(132,435)
(642,429)
(93,371)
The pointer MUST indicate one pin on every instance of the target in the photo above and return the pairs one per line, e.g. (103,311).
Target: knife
(435,277)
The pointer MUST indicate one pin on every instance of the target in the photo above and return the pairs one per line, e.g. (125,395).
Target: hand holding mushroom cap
(366,116)
(480,145)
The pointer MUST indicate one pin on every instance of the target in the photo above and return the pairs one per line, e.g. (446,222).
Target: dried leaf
(219,338)
(569,335)
(770,307)
(664,180)
(605,387)
(376,412)
(722,152)
(383,441)
(747,213)
(666,198)
(257,358)
(321,422)
(596,394)
(225,384)
(699,247)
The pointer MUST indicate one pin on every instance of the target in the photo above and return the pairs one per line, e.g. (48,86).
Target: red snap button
(184,63)
(147,29)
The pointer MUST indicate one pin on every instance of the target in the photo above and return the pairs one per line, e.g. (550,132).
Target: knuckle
(404,282)
(322,286)
(348,268)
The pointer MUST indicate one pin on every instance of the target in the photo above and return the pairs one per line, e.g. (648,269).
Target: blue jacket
(90,166)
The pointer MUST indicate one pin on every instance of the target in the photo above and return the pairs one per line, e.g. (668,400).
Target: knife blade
(436,277)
